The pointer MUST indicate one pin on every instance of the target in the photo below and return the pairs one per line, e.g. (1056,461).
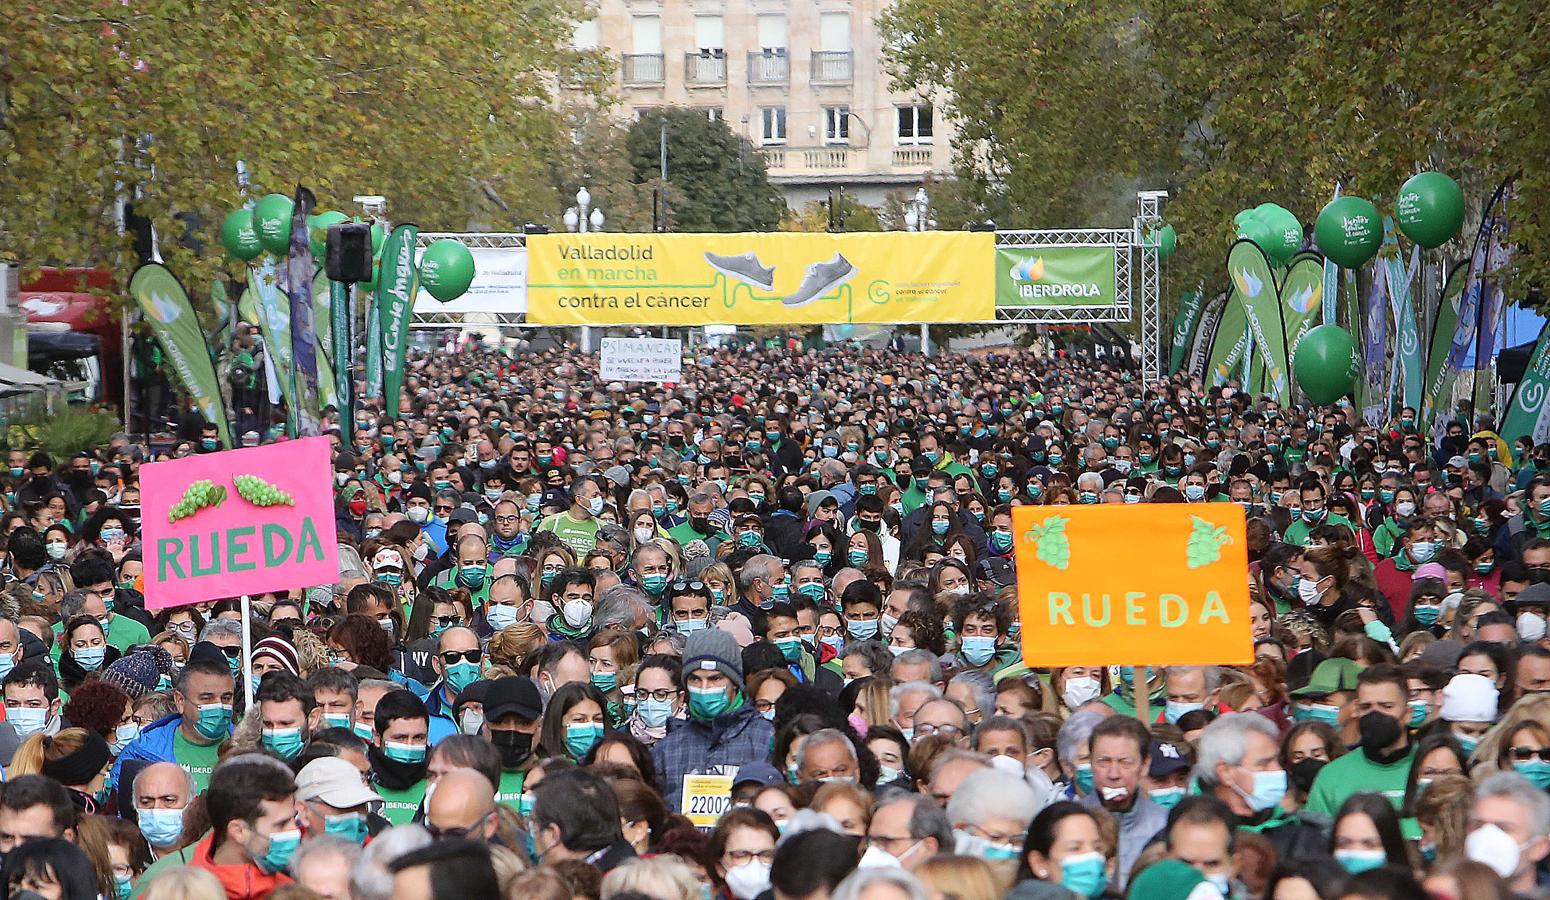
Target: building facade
(803,80)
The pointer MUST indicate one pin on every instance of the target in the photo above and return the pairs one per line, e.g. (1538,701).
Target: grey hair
(620,606)
(1089,481)
(1213,675)
(991,792)
(855,884)
(926,657)
(804,564)
(71,605)
(371,878)
(984,688)
(1514,787)
(897,692)
(327,846)
(221,628)
(820,737)
(677,639)
(1225,741)
(876,654)
(757,567)
(1074,734)
(649,547)
(927,817)
(188,776)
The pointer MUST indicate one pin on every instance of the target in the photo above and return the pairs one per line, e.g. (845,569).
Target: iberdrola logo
(1029,270)
(1029,275)
(1248,284)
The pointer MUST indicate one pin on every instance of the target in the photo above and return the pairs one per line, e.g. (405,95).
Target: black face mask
(515,747)
(1303,772)
(1378,730)
(701,525)
(868,524)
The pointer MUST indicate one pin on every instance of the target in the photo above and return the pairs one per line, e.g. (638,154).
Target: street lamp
(582,218)
(917,212)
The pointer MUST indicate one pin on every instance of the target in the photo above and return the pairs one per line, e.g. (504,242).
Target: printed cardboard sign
(1163,584)
(642,359)
(239,522)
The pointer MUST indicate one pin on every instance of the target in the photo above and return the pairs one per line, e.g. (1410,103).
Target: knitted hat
(1172,879)
(1469,698)
(714,650)
(280,650)
(140,672)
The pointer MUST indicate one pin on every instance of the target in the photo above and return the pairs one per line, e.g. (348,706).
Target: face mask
(1423,551)
(642,535)
(861,630)
(595,506)
(857,558)
(706,704)
(1268,789)
(1314,516)
(471,577)
(56,550)
(350,826)
(978,649)
(282,845)
(214,721)
(689,626)
(1378,730)
(939,527)
(790,648)
(748,880)
(90,658)
(1359,861)
(462,674)
(161,827)
(1317,712)
(1491,846)
(1083,874)
(1220,883)
(1308,591)
(834,641)
(471,721)
(283,742)
(1167,798)
(1176,710)
(419,514)
(577,613)
(500,616)
(581,737)
(123,736)
(654,713)
(404,753)
(1530,626)
(1419,710)
(1467,743)
(1194,493)
(653,584)
(605,681)
(1428,613)
(27,720)
(1079,690)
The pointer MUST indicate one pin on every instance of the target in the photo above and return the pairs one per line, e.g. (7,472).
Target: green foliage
(715,181)
(1050,541)
(60,433)
(438,106)
(815,216)
(1066,109)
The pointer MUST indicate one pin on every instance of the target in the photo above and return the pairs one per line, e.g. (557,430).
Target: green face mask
(581,737)
(706,704)
(214,721)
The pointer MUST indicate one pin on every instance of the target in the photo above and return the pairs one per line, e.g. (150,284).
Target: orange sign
(1163,584)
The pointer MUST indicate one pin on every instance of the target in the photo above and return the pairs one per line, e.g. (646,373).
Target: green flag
(273,310)
(397,284)
(1190,303)
(165,305)
(1256,285)
(1440,375)
(1526,413)
(1231,343)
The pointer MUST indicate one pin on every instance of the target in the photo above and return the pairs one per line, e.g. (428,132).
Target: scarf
(645,733)
(395,775)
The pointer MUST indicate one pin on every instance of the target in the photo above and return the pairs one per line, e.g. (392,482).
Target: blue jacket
(721,746)
(442,724)
(153,745)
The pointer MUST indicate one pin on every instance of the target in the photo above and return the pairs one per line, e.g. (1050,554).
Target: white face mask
(1404,508)
(1491,846)
(642,535)
(577,612)
(1079,690)
(1530,626)
(748,880)
(1308,591)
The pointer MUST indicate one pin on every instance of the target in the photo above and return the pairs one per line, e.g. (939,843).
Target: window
(772,124)
(714,113)
(647,32)
(915,124)
(585,36)
(834,31)
(772,34)
(708,35)
(836,124)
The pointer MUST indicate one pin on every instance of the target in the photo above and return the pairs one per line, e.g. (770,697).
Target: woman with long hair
(573,722)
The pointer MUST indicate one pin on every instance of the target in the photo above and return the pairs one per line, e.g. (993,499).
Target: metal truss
(1149,215)
(1123,242)
(495,240)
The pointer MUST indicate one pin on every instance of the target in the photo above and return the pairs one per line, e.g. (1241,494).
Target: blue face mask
(581,737)
(1536,771)
(1084,779)
(689,626)
(790,648)
(471,577)
(90,658)
(1359,861)
(812,590)
(857,558)
(654,713)
(350,826)
(939,527)
(214,721)
(1269,788)
(1084,874)
(1427,614)
(1167,798)
(283,742)
(1419,710)
(706,704)
(978,649)
(404,753)
(1176,710)
(653,584)
(161,827)
(861,630)
(605,681)
(1001,541)
(500,616)
(462,674)
(282,846)
(337,720)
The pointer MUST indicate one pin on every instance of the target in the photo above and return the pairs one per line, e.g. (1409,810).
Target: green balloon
(317,229)
(272,215)
(446,269)
(239,236)
(1285,232)
(1325,363)
(1253,227)
(1430,208)
(1349,231)
(1165,239)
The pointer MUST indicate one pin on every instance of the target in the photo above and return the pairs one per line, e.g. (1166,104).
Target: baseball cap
(998,571)
(512,695)
(1332,675)
(757,773)
(333,781)
(1167,758)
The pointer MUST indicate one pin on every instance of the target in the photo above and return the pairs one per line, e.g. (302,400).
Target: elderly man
(906,831)
(827,755)
(990,812)
(323,863)
(1513,835)
(905,700)
(333,799)
(1239,763)
(161,793)
(1119,749)
(942,717)
(920,666)
(1189,688)
(456,664)
(463,806)
(950,769)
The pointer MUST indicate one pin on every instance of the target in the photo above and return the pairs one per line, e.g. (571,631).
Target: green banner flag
(273,311)
(1190,303)
(1440,375)
(397,284)
(323,312)
(165,305)
(1255,284)
(1053,277)
(1230,344)
(1302,297)
(1526,413)
(1205,333)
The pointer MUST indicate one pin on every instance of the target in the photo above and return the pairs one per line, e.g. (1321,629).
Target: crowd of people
(757,635)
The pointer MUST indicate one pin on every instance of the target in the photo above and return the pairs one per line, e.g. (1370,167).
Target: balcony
(825,159)
(705,68)
(774,157)
(912,157)
(644,68)
(768,68)
(832,67)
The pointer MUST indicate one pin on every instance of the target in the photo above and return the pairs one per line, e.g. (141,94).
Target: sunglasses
(688,587)
(1524,754)
(446,621)
(451,657)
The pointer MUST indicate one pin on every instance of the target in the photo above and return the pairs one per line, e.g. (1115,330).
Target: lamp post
(580,219)
(917,217)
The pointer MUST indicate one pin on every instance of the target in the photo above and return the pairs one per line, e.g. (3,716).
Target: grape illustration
(259,492)
(1050,541)
(202,494)
(1205,543)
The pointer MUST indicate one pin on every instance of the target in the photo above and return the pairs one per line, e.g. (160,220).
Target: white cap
(1469,698)
(387,558)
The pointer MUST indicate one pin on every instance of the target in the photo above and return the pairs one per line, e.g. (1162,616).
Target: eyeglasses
(949,730)
(1524,754)
(451,657)
(231,652)
(743,857)
(444,509)
(661,695)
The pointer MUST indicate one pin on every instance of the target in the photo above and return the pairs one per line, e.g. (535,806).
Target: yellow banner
(777,278)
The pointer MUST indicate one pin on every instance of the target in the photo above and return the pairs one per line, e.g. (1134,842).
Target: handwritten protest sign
(642,359)
(1163,584)
(240,522)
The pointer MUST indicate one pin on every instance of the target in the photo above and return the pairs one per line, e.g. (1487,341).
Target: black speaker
(349,252)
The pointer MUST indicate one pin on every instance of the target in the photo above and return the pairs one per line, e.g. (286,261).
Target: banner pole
(1143,690)
(247,652)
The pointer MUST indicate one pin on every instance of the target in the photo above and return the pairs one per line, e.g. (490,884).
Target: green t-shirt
(447,580)
(123,633)
(579,534)
(510,790)
(1297,532)
(399,807)
(1354,773)
(198,759)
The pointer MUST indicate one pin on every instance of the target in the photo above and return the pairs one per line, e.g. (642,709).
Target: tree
(439,107)
(715,180)
(815,216)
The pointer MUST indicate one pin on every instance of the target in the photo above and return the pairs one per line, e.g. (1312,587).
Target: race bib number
(706,798)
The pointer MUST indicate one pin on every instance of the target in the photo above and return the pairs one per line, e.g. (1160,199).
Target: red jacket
(244,882)
(1394,584)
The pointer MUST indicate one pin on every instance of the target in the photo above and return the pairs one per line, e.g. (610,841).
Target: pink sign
(239,522)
